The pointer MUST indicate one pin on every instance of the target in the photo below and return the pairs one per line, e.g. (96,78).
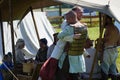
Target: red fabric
(47,71)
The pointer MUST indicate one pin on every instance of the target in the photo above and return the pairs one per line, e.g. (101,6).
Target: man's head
(108,20)
(79,11)
(43,42)
(71,17)
(20,43)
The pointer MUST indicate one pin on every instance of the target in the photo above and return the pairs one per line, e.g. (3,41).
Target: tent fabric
(26,31)
(109,7)
(20,6)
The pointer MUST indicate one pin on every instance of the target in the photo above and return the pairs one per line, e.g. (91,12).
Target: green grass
(93,32)
(118,60)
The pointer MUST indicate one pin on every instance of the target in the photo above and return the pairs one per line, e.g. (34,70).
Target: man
(76,38)
(111,37)
(42,52)
(20,44)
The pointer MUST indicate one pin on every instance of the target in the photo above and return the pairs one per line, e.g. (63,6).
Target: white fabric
(59,47)
(26,31)
(99,5)
(57,51)
(88,63)
(50,50)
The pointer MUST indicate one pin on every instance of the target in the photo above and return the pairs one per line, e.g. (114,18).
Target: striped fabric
(77,46)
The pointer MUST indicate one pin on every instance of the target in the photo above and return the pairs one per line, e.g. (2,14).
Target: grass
(93,33)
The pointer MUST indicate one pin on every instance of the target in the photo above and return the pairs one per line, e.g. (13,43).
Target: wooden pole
(12,34)
(90,19)
(97,47)
(60,10)
(12,30)
(10,71)
(35,25)
(2,33)
(42,9)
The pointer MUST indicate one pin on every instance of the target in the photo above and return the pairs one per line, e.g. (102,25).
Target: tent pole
(60,10)
(2,33)
(42,9)
(97,47)
(35,25)
(12,33)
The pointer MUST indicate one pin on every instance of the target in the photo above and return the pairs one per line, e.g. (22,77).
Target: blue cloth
(1,77)
(2,67)
(8,64)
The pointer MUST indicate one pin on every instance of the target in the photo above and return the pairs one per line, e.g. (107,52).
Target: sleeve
(66,33)
(63,25)
(68,38)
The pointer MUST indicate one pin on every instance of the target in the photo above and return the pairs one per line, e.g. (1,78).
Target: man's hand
(77,36)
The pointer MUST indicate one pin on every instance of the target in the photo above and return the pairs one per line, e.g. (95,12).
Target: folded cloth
(48,69)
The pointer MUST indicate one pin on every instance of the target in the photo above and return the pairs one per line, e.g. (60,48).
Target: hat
(44,40)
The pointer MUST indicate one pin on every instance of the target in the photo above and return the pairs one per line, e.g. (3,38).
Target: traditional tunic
(77,63)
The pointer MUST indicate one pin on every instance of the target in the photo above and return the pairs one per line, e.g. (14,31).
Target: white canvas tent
(109,7)
(26,31)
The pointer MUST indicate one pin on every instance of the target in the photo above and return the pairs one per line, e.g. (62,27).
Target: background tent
(26,30)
